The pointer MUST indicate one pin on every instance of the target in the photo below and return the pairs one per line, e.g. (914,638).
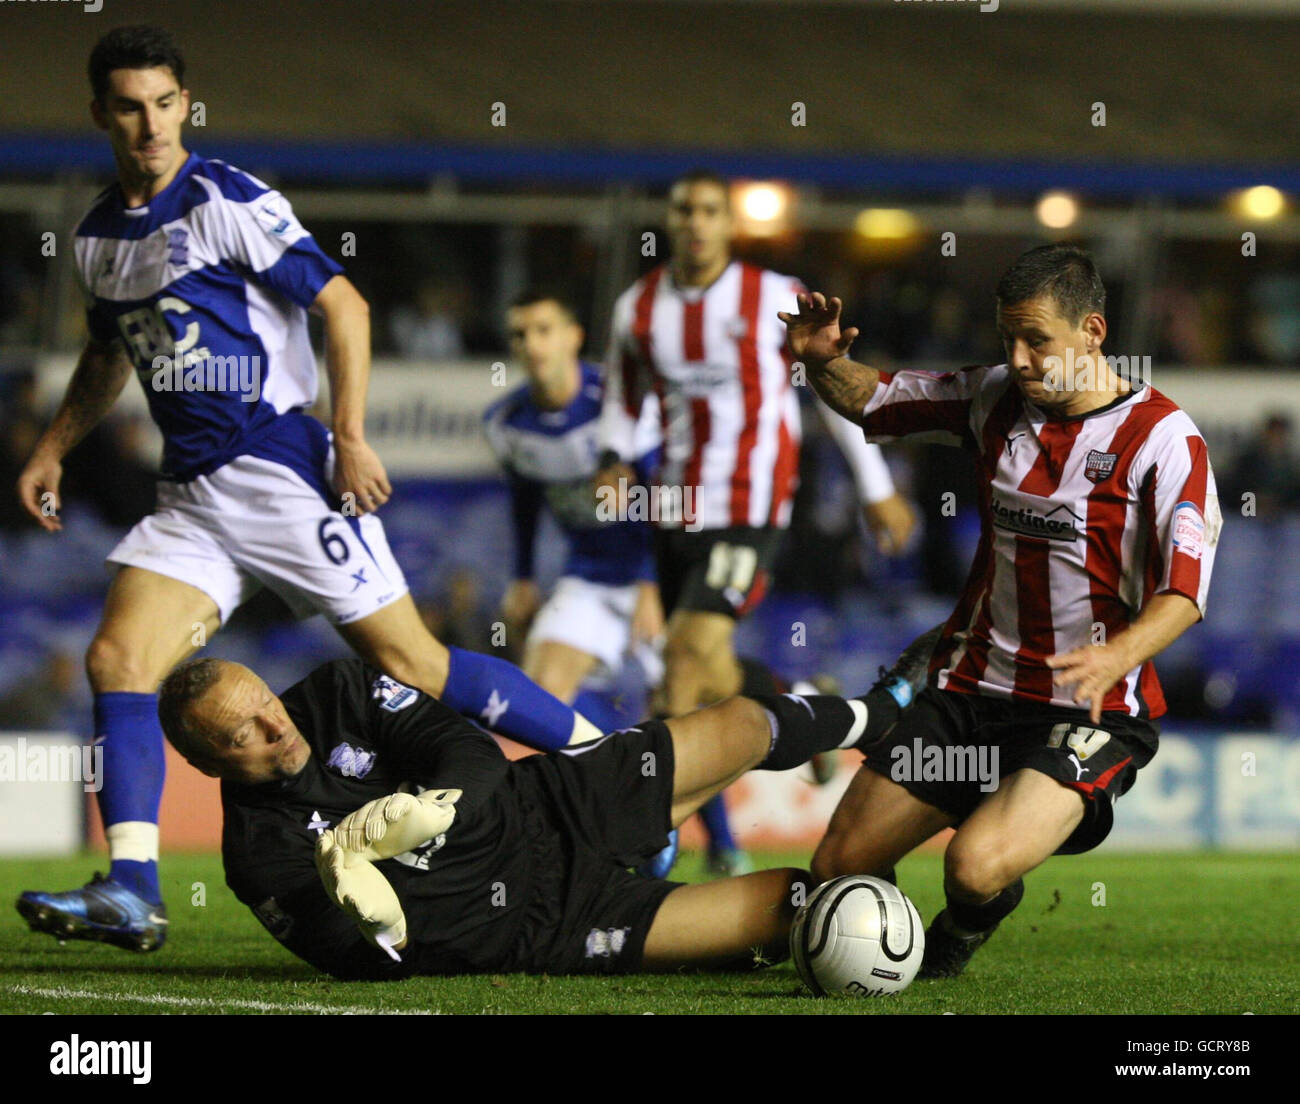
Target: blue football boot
(728,862)
(103,910)
(660,866)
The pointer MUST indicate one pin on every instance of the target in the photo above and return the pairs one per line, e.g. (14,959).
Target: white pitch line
(64,993)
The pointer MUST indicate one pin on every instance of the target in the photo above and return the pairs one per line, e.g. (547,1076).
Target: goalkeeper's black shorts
(599,809)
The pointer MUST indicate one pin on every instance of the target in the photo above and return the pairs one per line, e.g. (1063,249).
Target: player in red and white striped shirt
(702,333)
(1100,520)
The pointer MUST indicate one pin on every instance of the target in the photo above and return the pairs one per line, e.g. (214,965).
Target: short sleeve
(1176,483)
(261,234)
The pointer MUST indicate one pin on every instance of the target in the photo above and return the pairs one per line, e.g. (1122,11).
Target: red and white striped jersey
(717,358)
(1083,520)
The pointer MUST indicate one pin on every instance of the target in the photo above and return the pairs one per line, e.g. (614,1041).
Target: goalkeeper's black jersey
(464,894)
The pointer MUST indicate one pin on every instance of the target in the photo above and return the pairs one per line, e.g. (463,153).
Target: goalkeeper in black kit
(378,834)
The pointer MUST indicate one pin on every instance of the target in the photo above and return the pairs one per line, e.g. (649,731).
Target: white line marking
(63,993)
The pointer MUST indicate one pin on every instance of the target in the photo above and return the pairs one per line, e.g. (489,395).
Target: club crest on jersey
(606,942)
(738,329)
(1099,465)
(274,919)
(391,694)
(351,762)
(178,245)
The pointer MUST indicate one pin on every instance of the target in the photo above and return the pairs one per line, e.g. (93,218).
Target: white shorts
(255,523)
(595,618)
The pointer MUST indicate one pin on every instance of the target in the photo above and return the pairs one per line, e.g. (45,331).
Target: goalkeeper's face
(250,738)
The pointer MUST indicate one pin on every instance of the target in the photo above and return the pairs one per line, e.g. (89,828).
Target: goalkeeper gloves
(361,891)
(397,823)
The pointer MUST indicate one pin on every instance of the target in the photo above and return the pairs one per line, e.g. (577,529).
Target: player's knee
(787,890)
(799,885)
(683,652)
(838,854)
(424,672)
(974,870)
(826,858)
(113,665)
(554,678)
(745,722)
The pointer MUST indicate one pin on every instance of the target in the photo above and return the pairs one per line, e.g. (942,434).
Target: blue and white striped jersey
(207,286)
(551,455)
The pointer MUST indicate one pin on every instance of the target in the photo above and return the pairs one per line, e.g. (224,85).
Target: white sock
(859,722)
(133,840)
(583,731)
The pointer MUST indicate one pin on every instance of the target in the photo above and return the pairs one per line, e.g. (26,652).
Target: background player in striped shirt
(1100,520)
(198,279)
(701,334)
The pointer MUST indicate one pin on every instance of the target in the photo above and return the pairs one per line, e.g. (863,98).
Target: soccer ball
(857,936)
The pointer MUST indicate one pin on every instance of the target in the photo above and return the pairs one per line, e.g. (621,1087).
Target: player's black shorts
(1099,761)
(608,806)
(716,570)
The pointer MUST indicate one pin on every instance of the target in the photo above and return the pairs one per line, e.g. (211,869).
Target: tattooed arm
(99,378)
(818,343)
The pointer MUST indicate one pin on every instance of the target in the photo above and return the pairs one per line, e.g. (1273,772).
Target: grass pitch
(1169,933)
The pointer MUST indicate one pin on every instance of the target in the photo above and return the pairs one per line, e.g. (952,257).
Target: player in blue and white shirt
(198,280)
(545,433)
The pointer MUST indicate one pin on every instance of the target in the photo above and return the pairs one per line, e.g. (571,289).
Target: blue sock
(714,814)
(501,697)
(133,770)
(140,878)
(601,712)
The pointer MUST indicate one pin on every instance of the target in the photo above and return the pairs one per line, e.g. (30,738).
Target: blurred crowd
(437,292)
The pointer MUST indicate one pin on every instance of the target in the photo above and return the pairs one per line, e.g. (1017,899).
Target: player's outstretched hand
(814,334)
(362,891)
(1091,670)
(892,522)
(397,823)
(359,473)
(38,490)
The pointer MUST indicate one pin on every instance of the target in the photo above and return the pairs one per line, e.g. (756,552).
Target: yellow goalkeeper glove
(397,823)
(360,890)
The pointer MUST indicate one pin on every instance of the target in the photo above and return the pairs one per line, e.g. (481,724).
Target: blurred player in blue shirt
(545,434)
